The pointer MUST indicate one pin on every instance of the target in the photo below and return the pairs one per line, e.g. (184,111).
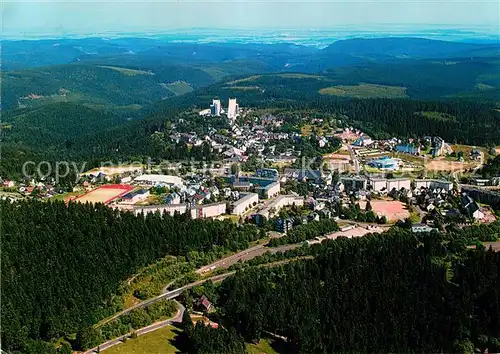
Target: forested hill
(407,47)
(389,293)
(131,73)
(61,266)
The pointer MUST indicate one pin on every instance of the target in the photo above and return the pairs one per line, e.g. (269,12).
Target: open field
(438,116)
(127,71)
(392,210)
(104,194)
(300,76)
(246,79)
(157,342)
(242,88)
(445,165)
(178,87)
(365,91)
(265,346)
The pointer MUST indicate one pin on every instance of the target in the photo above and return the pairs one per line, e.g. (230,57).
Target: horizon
(60,19)
(308,37)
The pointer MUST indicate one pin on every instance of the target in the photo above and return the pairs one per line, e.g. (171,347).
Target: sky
(80,17)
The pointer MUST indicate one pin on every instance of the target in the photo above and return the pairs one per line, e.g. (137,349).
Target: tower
(232,109)
(215,108)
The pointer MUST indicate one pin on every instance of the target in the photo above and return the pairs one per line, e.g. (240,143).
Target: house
(471,208)
(204,303)
(173,198)
(476,154)
(408,149)
(283,225)
(135,196)
(9,184)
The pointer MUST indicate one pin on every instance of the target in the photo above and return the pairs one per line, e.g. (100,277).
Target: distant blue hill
(408,47)
(36,53)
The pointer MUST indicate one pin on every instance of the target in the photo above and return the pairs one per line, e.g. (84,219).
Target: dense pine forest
(393,292)
(62,265)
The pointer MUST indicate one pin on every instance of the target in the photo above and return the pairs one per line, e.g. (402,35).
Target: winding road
(224,263)
(153,327)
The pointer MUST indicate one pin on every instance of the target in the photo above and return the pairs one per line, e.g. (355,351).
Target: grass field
(178,87)
(246,79)
(438,116)
(68,195)
(157,342)
(299,76)
(365,91)
(242,88)
(263,347)
(127,71)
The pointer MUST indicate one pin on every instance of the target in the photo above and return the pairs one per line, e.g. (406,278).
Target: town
(281,169)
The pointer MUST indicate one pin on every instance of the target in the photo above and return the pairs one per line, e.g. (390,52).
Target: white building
(232,109)
(421,228)
(162,209)
(215,108)
(434,184)
(165,180)
(378,184)
(398,184)
(208,210)
(271,190)
(280,202)
(244,203)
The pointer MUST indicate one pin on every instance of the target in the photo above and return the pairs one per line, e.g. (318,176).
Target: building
(232,109)
(215,108)
(247,201)
(384,163)
(471,208)
(408,149)
(421,228)
(208,210)
(160,180)
(433,184)
(363,141)
(170,209)
(270,191)
(267,173)
(283,225)
(302,174)
(378,184)
(283,200)
(135,196)
(172,198)
(354,183)
(398,184)
(477,181)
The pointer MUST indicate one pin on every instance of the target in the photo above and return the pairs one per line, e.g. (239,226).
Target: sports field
(105,194)
(392,210)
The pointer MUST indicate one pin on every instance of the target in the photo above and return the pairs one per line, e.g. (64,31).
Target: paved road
(354,158)
(243,256)
(166,296)
(141,331)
